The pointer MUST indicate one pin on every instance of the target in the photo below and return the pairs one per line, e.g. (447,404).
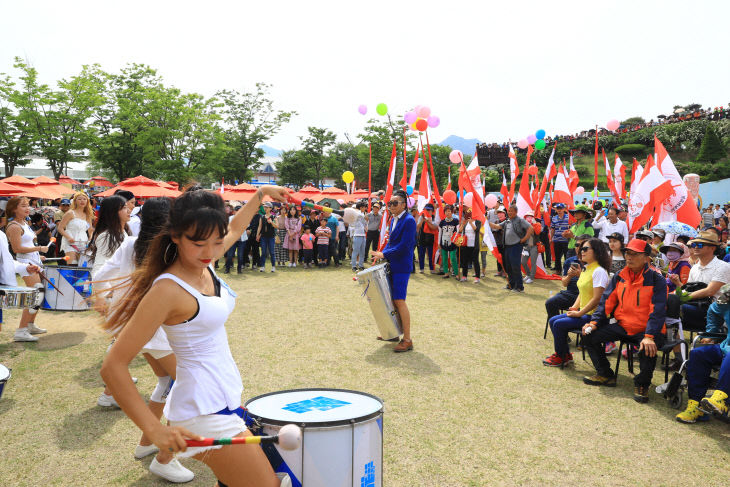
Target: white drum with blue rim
(71,288)
(4,377)
(342,436)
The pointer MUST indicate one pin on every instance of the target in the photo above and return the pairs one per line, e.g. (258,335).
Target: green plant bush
(632,150)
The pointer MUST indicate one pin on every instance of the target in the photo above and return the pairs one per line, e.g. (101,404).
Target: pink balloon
(362,109)
(411,202)
(456,156)
(410,117)
(341,201)
(531,139)
(612,125)
(433,121)
(491,201)
(579,190)
(469,199)
(522,144)
(423,112)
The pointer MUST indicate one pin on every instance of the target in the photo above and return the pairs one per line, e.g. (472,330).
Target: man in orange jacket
(637,298)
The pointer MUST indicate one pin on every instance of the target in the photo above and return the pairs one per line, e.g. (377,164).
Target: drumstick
(289,438)
(43,277)
(315,207)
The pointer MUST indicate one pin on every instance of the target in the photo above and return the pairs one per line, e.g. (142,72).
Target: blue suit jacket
(401,242)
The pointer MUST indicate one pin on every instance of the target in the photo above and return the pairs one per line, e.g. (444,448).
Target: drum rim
(8,370)
(304,424)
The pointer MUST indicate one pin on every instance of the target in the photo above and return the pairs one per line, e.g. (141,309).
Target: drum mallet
(348,214)
(289,438)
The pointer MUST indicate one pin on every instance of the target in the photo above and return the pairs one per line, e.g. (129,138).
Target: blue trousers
(422,251)
(694,317)
(267,247)
(699,368)
(560,326)
(513,265)
(358,251)
(239,247)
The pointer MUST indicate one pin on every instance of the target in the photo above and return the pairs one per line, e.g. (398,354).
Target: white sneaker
(273,269)
(527,280)
(261,269)
(34,330)
(143,451)
(107,401)
(172,472)
(293,264)
(23,335)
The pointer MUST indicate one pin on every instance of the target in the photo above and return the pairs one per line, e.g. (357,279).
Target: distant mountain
(466,146)
(270,151)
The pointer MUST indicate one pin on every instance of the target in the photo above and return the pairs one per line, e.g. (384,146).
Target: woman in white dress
(75,227)
(176,288)
(109,232)
(22,242)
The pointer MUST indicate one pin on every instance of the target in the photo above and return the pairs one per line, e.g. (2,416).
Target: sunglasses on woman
(584,249)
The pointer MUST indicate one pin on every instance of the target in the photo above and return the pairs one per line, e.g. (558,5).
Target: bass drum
(74,284)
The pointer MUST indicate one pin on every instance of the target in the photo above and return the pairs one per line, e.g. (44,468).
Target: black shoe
(641,394)
(227,270)
(240,271)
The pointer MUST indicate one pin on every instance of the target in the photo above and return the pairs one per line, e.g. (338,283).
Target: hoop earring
(164,256)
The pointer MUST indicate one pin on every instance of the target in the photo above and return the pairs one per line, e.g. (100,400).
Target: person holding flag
(399,254)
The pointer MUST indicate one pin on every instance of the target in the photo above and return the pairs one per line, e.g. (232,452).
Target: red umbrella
(142,187)
(10,190)
(32,190)
(63,179)
(51,185)
(306,192)
(101,182)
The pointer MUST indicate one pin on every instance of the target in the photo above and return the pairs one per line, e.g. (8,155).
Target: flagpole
(595,168)
(370,176)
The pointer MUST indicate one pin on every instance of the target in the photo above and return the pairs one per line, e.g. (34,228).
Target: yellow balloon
(348,177)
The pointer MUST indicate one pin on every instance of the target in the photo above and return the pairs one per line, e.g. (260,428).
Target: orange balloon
(421,125)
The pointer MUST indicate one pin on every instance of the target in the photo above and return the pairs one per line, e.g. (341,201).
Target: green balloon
(539,144)
(382,108)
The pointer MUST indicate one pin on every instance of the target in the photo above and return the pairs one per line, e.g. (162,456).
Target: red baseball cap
(638,245)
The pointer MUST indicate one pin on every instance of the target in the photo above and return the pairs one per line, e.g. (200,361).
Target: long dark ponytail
(155,214)
(109,222)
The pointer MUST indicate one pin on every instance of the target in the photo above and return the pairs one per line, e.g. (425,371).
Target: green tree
(711,149)
(249,120)
(294,168)
(16,130)
(317,145)
(633,121)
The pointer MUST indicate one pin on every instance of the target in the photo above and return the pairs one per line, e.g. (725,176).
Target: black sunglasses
(584,249)
(393,203)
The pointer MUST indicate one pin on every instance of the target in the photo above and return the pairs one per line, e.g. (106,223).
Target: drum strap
(242,413)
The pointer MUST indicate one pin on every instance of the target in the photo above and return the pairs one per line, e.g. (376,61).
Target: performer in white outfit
(115,276)
(176,288)
(75,227)
(22,240)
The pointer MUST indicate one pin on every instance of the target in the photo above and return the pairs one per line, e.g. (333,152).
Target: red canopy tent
(142,187)
(102,182)
(306,192)
(10,190)
(63,179)
(32,189)
(51,185)
(360,194)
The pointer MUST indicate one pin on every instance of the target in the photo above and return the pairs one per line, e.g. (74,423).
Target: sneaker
(692,414)
(172,472)
(599,380)
(240,271)
(226,270)
(518,290)
(261,269)
(34,330)
(715,405)
(556,360)
(497,274)
(23,335)
(476,280)
(144,451)
(641,394)
(527,280)
(446,276)
(107,401)
(463,279)
(273,269)
(354,269)
(420,271)
(610,348)
(293,264)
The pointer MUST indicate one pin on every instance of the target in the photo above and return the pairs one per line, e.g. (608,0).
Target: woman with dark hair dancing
(176,288)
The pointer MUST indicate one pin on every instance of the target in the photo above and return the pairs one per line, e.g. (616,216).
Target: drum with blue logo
(342,436)
(72,288)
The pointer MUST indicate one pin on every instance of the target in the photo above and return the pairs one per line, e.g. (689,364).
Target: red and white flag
(572,177)
(610,182)
(474,184)
(636,172)
(651,191)
(424,188)
(448,186)
(414,171)
(388,194)
(524,198)
(561,192)
(550,173)
(504,191)
(619,177)
(679,206)
(514,171)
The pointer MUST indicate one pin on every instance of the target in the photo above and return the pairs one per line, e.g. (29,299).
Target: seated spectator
(701,362)
(678,256)
(708,270)
(565,298)
(591,284)
(636,298)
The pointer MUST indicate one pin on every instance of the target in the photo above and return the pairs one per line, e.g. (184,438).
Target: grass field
(472,405)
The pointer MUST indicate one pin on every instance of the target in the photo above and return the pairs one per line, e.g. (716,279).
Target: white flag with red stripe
(652,190)
(610,182)
(514,171)
(550,173)
(424,188)
(679,205)
(388,193)
(619,177)
(504,190)
(572,176)
(561,191)
(524,198)
(474,173)
(414,171)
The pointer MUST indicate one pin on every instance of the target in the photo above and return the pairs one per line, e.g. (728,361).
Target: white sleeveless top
(77,229)
(28,240)
(207,376)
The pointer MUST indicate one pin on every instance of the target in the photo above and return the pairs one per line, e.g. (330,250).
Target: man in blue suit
(399,254)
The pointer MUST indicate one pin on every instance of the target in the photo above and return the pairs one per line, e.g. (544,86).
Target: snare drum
(18,297)
(377,291)
(4,377)
(342,436)
(74,284)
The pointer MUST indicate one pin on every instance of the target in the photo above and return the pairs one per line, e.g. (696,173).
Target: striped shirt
(560,225)
(323,235)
